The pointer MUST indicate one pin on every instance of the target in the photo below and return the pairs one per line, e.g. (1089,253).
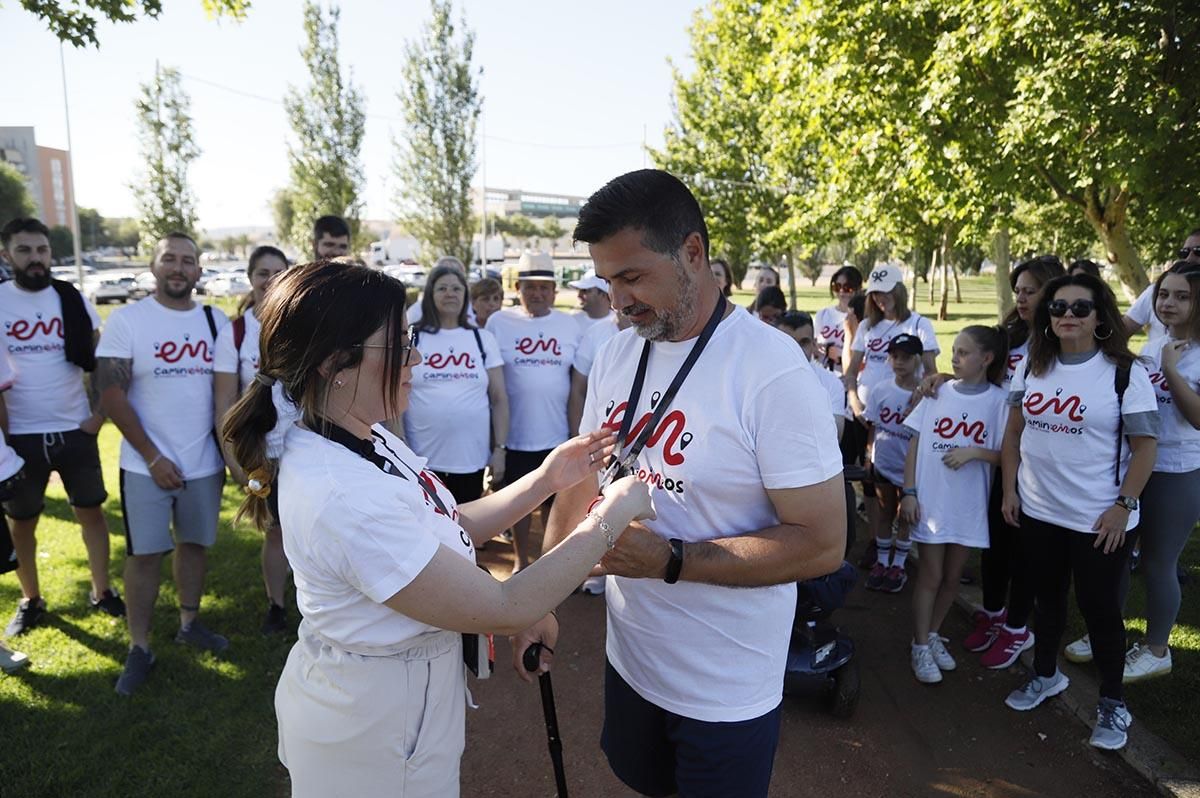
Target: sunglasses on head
(1186,251)
(1080,308)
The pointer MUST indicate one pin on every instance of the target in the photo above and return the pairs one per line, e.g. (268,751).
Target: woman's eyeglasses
(406,350)
(1080,308)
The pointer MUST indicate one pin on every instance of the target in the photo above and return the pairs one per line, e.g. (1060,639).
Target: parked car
(206,274)
(108,287)
(70,273)
(412,276)
(228,284)
(143,285)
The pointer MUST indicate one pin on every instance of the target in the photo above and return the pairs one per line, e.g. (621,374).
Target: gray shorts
(150,512)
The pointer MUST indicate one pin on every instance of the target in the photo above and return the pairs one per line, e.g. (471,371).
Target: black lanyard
(365,448)
(621,463)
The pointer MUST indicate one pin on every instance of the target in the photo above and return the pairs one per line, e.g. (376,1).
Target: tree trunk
(1001,256)
(791,264)
(943,313)
(1110,223)
(916,258)
(957,289)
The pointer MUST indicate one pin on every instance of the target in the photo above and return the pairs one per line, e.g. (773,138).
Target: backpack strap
(1120,383)
(212,321)
(239,332)
(479,343)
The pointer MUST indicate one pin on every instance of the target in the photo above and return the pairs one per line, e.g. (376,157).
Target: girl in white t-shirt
(372,698)
(1078,449)
(235,363)
(954,448)
(830,323)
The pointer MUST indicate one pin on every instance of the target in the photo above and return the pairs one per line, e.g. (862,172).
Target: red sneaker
(986,630)
(894,580)
(1006,648)
(875,578)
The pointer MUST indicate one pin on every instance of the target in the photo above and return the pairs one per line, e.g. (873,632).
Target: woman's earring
(1099,337)
(1048,332)
(338,383)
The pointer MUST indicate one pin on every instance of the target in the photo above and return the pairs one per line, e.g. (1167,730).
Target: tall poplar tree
(164,199)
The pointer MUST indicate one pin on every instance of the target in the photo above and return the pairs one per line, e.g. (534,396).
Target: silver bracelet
(610,537)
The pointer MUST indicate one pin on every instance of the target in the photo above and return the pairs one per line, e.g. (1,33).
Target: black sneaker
(109,602)
(137,668)
(276,620)
(29,613)
(200,636)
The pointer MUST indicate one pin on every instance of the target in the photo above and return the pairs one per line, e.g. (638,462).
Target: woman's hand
(929,387)
(545,632)
(625,501)
(496,465)
(582,455)
(1171,352)
(957,458)
(1010,508)
(910,511)
(1110,528)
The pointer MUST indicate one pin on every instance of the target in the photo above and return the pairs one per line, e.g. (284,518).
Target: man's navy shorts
(657,752)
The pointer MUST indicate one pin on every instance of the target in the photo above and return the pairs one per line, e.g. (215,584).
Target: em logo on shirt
(947,429)
(673,428)
(172,352)
(438,361)
(528,346)
(1037,404)
(23,330)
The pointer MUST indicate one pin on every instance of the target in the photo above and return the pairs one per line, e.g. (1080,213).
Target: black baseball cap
(907,344)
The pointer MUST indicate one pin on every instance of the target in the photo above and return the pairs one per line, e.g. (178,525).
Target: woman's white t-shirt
(10,461)
(448,420)
(1068,475)
(1178,440)
(228,359)
(538,352)
(953,503)
(886,409)
(829,326)
(355,536)
(873,339)
(740,426)
(1016,362)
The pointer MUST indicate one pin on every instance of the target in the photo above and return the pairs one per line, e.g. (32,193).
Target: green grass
(205,725)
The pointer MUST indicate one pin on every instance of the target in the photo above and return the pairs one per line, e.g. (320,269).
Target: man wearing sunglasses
(1141,312)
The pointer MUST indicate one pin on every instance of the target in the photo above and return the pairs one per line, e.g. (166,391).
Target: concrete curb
(1147,753)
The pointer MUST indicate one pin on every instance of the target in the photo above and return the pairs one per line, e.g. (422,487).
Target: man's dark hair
(650,200)
(24,224)
(333,226)
(1195,232)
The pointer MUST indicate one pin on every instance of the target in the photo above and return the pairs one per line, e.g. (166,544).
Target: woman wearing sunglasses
(830,321)
(1078,449)
(372,699)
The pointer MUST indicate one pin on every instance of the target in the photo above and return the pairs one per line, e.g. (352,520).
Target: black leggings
(1004,574)
(1055,556)
(463,487)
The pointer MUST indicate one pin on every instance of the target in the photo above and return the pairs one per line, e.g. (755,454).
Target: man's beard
(668,324)
(32,282)
(182,293)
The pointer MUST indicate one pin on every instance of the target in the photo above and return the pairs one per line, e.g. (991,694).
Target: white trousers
(362,726)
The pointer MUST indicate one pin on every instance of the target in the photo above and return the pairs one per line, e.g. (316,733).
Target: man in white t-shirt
(155,375)
(50,333)
(1141,312)
(538,345)
(594,303)
(748,491)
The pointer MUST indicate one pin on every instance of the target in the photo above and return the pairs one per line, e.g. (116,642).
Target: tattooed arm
(92,424)
(113,378)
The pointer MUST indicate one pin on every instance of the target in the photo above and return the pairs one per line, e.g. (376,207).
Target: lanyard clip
(616,469)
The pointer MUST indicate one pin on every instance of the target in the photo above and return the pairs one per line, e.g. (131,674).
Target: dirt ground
(906,739)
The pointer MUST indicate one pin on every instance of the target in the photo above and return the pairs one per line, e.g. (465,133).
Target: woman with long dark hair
(372,698)
(724,275)
(1078,449)
(830,320)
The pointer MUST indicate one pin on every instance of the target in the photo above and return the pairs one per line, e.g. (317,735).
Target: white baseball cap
(884,278)
(589,280)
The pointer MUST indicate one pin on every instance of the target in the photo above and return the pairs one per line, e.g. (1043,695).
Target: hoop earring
(1048,333)
(1104,338)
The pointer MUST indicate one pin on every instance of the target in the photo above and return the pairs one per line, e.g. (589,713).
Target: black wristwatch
(1128,502)
(675,564)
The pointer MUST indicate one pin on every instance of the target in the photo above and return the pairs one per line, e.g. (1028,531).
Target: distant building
(46,169)
(537,205)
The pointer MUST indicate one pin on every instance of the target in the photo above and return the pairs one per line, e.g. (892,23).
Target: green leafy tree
(283,213)
(163,197)
(92,231)
(62,243)
(122,233)
(436,158)
(15,200)
(551,229)
(327,119)
(75,21)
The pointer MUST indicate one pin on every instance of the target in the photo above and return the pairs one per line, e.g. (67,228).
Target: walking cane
(531,660)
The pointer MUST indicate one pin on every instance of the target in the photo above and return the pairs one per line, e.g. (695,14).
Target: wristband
(610,537)
(154,462)
(675,564)
(908,492)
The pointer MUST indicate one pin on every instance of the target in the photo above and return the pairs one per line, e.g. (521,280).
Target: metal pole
(483,194)
(62,63)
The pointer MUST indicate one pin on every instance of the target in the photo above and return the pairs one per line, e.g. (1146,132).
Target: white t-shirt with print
(448,420)
(10,461)
(355,535)
(228,359)
(873,340)
(834,388)
(172,387)
(738,427)
(1142,312)
(538,352)
(586,322)
(953,503)
(1069,445)
(1016,362)
(49,394)
(829,325)
(597,335)
(1178,440)
(886,409)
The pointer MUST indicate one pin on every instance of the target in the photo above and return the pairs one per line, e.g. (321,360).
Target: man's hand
(92,424)
(545,632)
(166,474)
(639,554)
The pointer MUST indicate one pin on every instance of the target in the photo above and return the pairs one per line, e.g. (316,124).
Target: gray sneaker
(200,636)
(1037,690)
(1112,725)
(137,667)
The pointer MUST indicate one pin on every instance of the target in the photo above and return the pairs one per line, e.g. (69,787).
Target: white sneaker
(937,647)
(1080,650)
(1142,663)
(594,585)
(1113,720)
(924,667)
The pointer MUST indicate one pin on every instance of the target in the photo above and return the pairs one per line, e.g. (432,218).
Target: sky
(571,90)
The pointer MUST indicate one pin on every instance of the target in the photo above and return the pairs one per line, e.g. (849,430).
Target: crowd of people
(687,458)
